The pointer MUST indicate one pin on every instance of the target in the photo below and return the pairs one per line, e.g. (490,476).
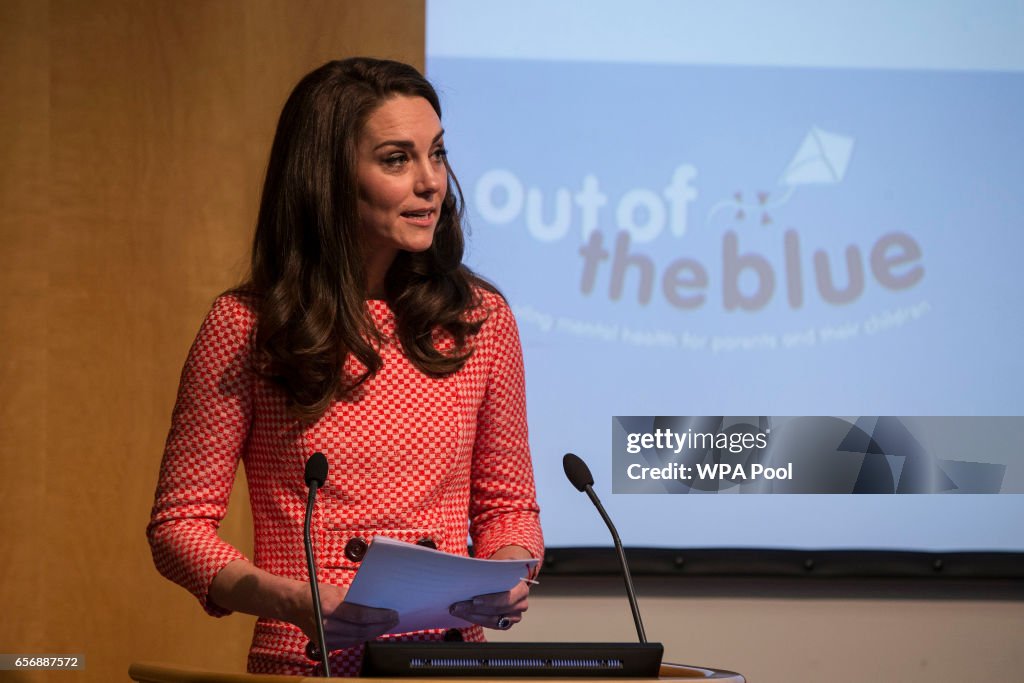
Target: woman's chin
(418,246)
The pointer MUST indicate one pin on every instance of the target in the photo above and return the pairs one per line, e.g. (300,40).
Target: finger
(516,594)
(341,634)
(504,622)
(490,619)
(469,612)
(520,592)
(507,621)
(462,610)
(472,612)
(498,607)
(493,599)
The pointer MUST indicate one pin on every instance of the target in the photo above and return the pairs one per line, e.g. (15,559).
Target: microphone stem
(630,592)
(314,586)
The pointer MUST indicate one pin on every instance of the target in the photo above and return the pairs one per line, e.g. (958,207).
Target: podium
(151,672)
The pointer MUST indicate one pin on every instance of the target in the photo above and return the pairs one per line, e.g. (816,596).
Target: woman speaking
(359,334)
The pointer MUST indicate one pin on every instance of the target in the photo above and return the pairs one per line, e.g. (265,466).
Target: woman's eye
(440,153)
(394,159)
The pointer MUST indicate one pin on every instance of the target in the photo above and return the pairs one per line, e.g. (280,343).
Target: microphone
(316,476)
(578,473)
(580,477)
(316,470)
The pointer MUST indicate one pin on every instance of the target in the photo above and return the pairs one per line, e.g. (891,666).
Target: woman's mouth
(420,216)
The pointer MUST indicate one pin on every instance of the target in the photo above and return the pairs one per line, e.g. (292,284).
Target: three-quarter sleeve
(209,428)
(503,506)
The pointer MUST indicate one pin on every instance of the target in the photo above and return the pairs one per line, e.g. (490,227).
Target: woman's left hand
(495,610)
(498,610)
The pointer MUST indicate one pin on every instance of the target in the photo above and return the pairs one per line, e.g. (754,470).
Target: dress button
(355,549)
(427,543)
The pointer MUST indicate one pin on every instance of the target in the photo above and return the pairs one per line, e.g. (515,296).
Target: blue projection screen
(741,208)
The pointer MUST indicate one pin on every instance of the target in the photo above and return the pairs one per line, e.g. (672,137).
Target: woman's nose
(430,178)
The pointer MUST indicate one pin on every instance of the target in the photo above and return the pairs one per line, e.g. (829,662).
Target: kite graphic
(821,159)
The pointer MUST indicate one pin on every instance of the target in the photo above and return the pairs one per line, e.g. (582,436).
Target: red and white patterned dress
(411,457)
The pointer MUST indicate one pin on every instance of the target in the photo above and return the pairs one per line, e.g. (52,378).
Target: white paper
(422,583)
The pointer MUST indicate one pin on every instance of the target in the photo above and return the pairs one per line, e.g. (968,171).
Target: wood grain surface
(134,137)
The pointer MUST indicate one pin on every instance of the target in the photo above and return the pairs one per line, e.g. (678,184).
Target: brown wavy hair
(307,261)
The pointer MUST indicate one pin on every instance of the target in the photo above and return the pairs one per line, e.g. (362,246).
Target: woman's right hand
(242,587)
(345,624)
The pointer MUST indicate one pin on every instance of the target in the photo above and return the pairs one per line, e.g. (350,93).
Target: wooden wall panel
(135,136)
(24,107)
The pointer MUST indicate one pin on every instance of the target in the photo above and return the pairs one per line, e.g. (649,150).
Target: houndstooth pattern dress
(411,457)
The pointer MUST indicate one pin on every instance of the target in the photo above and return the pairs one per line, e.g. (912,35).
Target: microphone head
(316,469)
(577,471)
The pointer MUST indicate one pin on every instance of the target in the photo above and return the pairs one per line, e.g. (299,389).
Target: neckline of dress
(379,309)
